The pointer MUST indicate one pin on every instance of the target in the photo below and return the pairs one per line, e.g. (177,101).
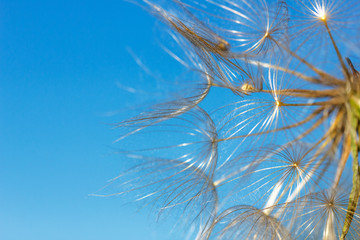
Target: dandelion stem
(305,93)
(307,119)
(323,103)
(331,79)
(321,73)
(355,191)
(344,68)
(284,69)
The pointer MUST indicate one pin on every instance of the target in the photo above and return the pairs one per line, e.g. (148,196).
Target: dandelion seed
(247,222)
(247,87)
(321,215)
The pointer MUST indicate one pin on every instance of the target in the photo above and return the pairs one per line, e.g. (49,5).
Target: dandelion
(278,160)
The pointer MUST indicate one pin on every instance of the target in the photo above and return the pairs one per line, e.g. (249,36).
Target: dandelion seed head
(255,153)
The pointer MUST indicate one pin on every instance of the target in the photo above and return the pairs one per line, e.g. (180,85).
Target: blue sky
(69,70)
(66,74)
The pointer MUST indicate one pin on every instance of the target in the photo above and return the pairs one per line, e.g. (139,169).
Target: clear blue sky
(67,72)
(64,75)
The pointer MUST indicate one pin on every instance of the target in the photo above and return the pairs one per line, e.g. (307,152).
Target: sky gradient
(66,74)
